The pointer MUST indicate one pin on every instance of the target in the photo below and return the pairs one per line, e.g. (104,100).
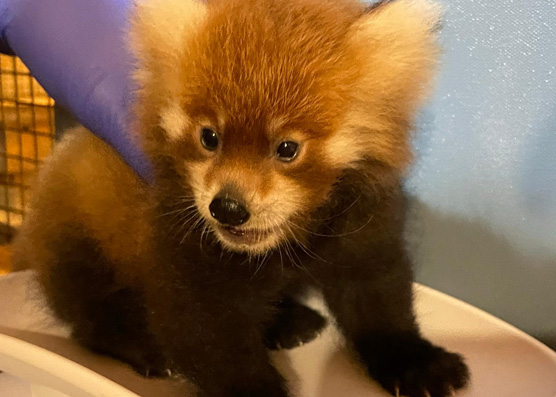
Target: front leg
(294,325)
(376,317)
(214,338)
(368,288)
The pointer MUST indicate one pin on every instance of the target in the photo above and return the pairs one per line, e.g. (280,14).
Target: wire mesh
(26,136)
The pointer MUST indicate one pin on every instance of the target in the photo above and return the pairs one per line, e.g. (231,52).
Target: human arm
(76,51)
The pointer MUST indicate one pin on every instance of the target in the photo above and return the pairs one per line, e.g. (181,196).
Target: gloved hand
(76,51)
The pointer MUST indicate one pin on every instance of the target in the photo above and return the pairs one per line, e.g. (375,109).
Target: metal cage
(26,135)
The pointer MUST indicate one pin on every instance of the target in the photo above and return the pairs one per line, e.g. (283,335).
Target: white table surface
(39,360)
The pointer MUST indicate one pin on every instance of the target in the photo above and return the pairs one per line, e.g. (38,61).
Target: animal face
(257,172)
(262,104)
(257,182)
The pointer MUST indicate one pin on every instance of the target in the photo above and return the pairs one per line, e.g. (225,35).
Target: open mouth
(244,235)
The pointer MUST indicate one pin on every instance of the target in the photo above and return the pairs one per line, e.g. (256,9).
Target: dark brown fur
(120,263)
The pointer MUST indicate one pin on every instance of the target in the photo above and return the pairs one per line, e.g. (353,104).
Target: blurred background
(483,220)
(484,186)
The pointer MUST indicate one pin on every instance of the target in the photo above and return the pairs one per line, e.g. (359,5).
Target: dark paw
(147,362)
(294,325)
(407,365)
(150,368)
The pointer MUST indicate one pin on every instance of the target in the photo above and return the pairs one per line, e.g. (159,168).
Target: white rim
(43,367)
(490,318)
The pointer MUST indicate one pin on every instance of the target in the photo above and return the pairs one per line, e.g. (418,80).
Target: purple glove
(75,49)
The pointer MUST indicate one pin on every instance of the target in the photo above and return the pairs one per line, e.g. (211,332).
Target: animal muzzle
(229,211)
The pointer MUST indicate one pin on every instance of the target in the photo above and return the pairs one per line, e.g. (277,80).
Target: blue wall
(488,149)
(485,181)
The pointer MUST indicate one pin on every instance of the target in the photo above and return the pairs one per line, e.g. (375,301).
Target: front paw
(407,365)
(147,363)
(295,325)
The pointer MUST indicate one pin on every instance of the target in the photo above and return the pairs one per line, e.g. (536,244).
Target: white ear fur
(398,46)
(165,22)
(173,119)
(396,50)
(158,38)
(428,12)
(158,35)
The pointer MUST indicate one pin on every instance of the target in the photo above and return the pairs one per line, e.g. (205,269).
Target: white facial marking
(173,120)
(271,215)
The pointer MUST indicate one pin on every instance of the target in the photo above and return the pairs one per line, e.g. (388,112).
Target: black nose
(228,211)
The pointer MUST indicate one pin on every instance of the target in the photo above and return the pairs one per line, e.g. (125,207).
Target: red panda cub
(278,131)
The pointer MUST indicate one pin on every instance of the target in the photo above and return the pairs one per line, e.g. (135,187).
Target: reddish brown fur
(298,70)
(303,70)
(141,272)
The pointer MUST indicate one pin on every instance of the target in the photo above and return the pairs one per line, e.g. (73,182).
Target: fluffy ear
(395,47)
(158,37)
(398,48)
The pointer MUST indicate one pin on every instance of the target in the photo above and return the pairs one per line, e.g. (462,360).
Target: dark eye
(209,138)
(287,151)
